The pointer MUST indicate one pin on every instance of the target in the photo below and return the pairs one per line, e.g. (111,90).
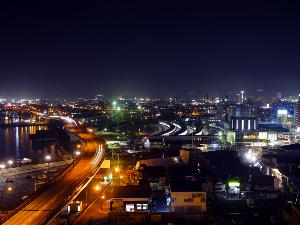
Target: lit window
(129,207)
(243,124)
(249,125)
(237,124)
(145,206)
(139,206)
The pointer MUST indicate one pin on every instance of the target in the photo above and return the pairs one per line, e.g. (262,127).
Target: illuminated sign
(282,112)
(233,184)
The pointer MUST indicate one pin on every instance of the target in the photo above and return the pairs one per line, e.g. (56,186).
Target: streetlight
(9,188)
(77,153)
(117,170)
(101,201)
(97,188)
(10,162)
(48,158)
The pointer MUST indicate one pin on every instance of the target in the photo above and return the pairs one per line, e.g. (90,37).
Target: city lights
(48,158)
(10,162)
(97,188)
(250,157)
(150,113)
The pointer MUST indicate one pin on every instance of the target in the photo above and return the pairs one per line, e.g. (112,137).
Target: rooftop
(131,191)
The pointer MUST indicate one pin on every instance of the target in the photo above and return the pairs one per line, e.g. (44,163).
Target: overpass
(47,205)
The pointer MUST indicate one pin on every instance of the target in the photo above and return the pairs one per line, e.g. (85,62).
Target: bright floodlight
(2,166)
(250,157)
(77,153)
(10,162)
(48,157)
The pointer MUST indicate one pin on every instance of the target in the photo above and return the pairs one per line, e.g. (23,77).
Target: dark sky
(60,48)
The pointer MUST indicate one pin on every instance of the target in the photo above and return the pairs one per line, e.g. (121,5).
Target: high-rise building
(242,95)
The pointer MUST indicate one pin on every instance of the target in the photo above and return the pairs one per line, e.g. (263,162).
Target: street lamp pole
(48,158)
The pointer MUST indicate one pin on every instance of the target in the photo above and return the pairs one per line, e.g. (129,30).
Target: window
(129,207)
(145,206)
(138,206)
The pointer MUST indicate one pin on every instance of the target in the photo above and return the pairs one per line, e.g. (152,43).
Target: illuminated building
(243,123)
(284,112)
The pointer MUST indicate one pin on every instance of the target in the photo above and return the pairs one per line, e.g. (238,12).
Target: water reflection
(16,144)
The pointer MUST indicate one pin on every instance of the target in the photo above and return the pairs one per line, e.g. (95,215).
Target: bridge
(45,206)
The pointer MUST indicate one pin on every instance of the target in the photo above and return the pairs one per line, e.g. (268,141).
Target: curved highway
(49,203)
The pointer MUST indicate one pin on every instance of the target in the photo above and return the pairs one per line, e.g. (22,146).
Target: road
(97,209)
(62,191)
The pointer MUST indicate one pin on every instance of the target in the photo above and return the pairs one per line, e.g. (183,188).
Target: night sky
(65,49)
